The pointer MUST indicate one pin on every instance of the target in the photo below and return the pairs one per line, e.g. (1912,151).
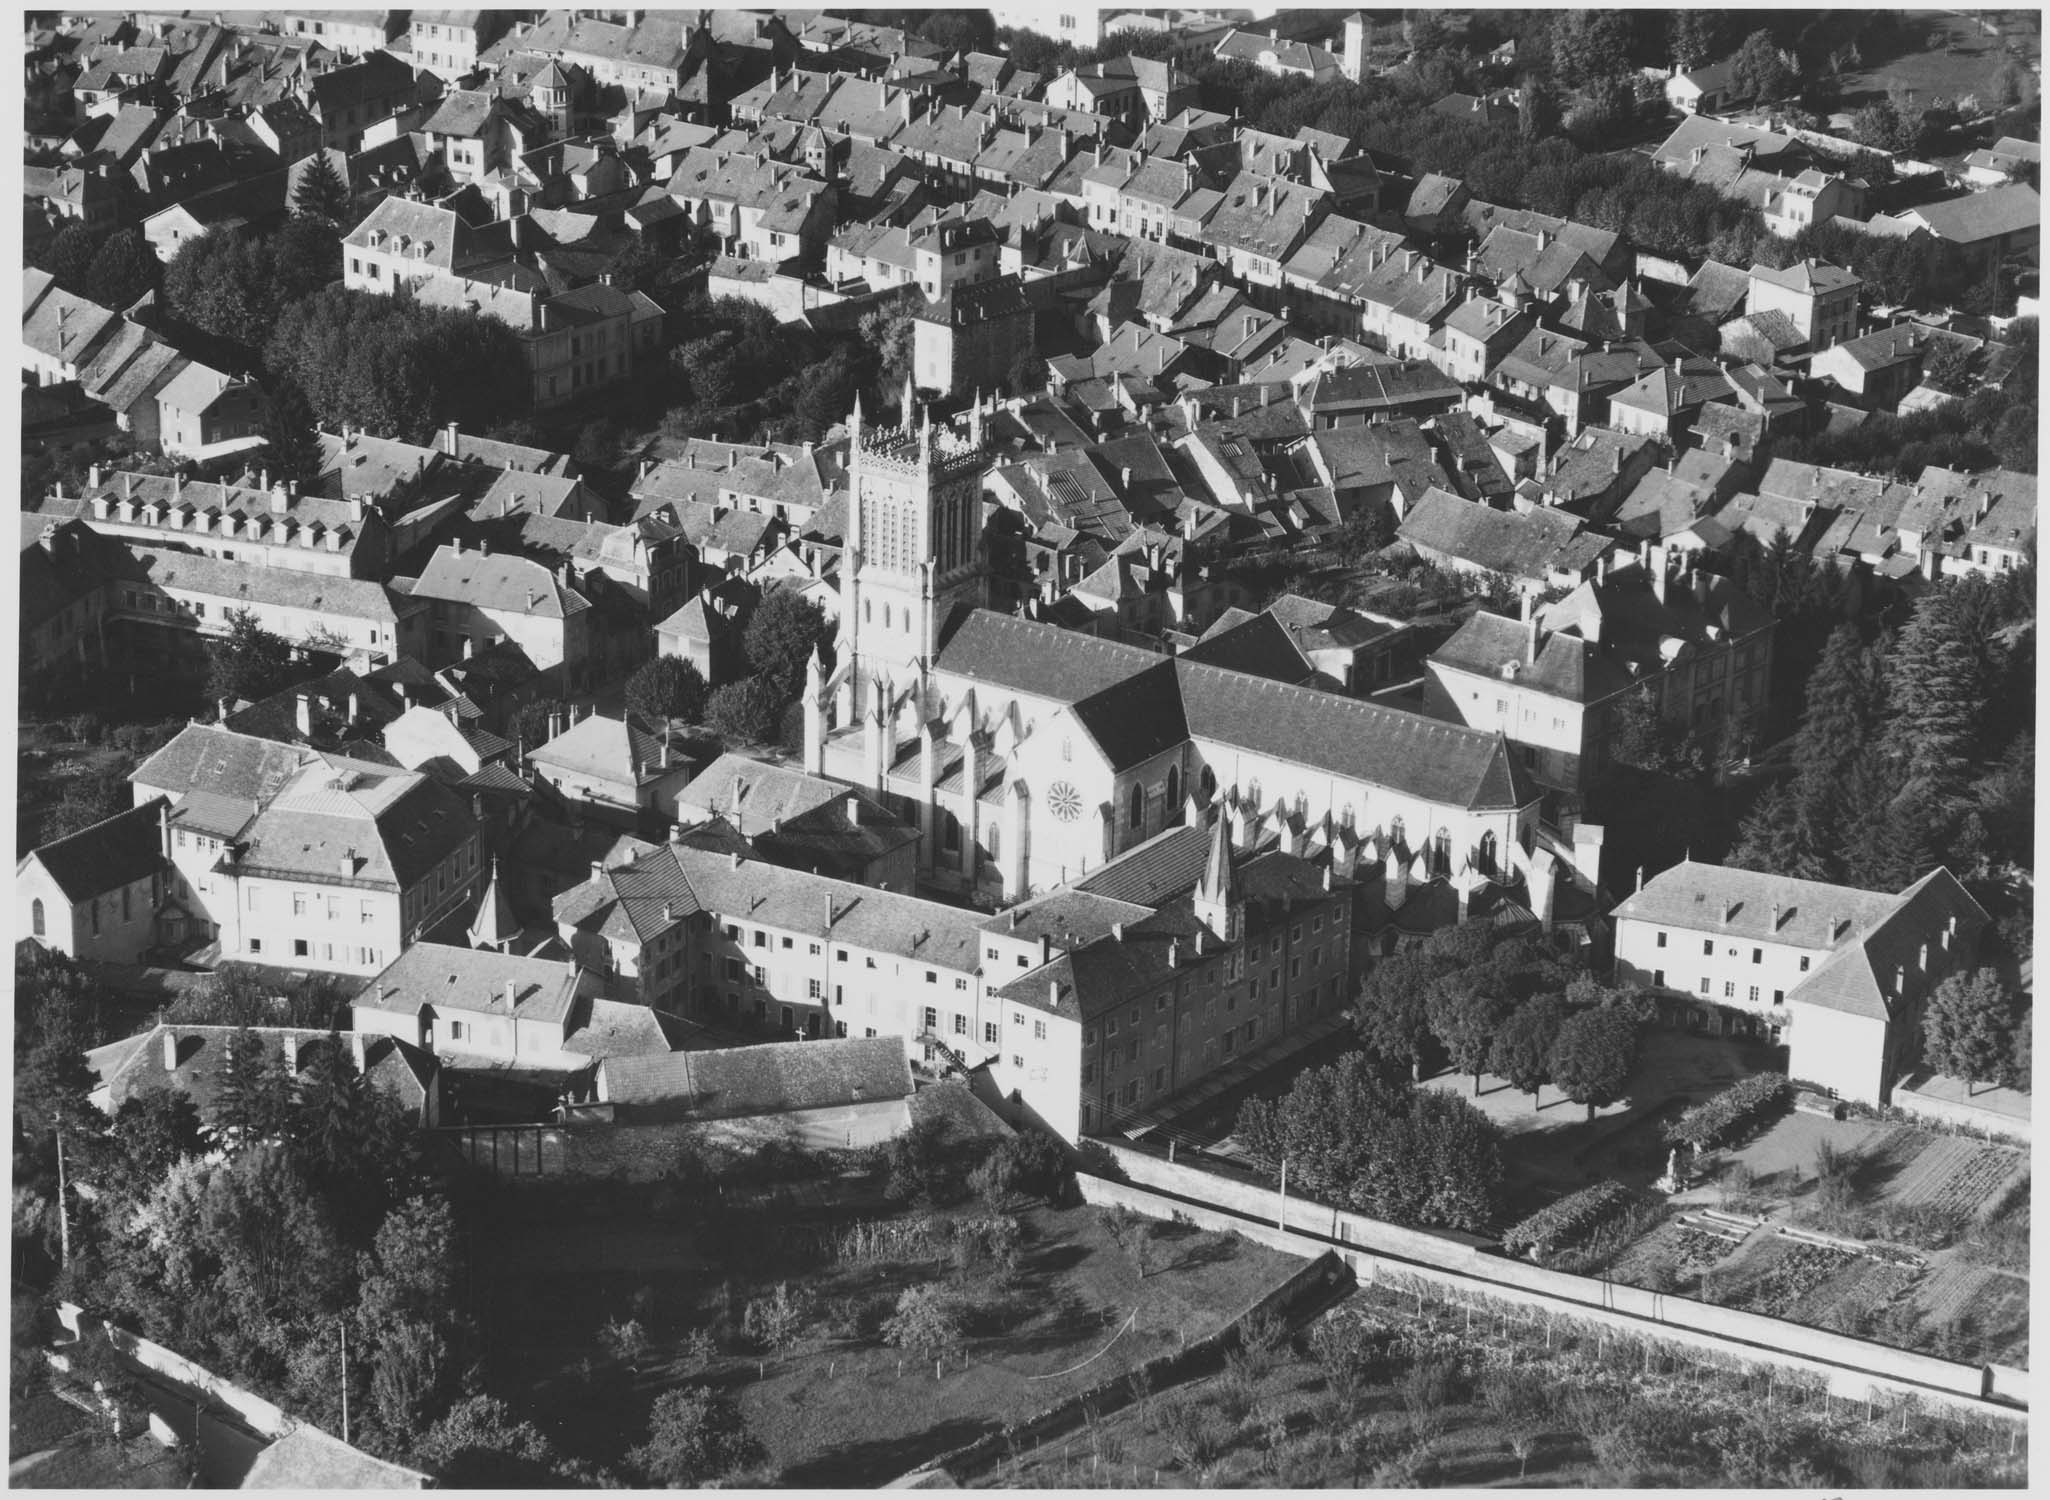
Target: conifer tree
(1935,682)
(291,448)
(320,192)
(251,1098)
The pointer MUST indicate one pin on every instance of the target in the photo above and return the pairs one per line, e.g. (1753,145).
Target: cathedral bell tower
(914,552)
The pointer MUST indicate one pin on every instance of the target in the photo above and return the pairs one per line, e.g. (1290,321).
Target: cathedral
(1029,755)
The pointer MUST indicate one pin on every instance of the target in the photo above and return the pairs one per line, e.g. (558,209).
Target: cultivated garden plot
(1942,1222)
(795,1321)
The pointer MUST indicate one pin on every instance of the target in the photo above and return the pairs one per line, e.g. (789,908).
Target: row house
(635,50)
(1257,223)
(289,858)
(173,601)
(720,935)
(448,42)
(755,207)
(349,101)
(1127,88)
(266,526)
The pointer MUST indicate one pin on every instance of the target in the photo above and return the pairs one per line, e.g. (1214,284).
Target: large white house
(1839,974)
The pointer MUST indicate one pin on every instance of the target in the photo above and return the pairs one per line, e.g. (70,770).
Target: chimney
(597,871)
(853,810)
(170,1050)
(1530,636)
(452,440)
(1053,993)
(303,718)
(511,995)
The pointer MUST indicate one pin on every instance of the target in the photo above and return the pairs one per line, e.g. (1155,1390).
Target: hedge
(1716,1120)
(1571,1218)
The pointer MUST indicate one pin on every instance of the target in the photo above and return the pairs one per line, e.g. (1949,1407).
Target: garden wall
(1957,1112)
(1850,1366)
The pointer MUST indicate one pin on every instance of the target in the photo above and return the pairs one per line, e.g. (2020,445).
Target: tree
(252,1097)
(666,687)
(1935,681)
(1694,37)
(1028,1162)
(749,709)
(1594,1056)
(291,450)
(1390,1012)
(695,1436)
(320,192)
(248,663)
(90,797)
(919,1167)
(1522,1049)
(888,331)
(1759,71)
(69,257)
(782,633)
(1969,1030)
(1539,112)
(1027,375)
(1588,44)
(1353,1139)
(410,1380)
(151,1132)
(123,269)
(1951,367)
(479,1444)
(1465,1018)
(925,1323)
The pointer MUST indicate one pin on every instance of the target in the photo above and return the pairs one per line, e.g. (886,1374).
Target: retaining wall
(649,1152)
(1853,1367)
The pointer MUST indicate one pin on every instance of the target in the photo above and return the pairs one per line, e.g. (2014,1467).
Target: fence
(1852,1367)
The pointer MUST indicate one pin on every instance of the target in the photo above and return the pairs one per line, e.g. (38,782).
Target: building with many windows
(287,857)
(1840,975)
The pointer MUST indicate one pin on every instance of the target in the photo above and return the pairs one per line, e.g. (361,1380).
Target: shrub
(777,1321)
(1573,1217)
(1722,1118)
(1187,1430)
(1096,1159)
(924,1322)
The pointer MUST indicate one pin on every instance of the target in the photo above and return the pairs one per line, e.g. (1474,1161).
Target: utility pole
(63,1205)
(343,1326)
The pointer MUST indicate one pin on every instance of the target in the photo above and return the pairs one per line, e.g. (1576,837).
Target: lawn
(1963,61)
(839,1406)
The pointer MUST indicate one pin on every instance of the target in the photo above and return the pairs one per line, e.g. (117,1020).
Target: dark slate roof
(1042,660)
(1259,644)
(775,1078)
(1137,718)
(113,852)
(1425,758)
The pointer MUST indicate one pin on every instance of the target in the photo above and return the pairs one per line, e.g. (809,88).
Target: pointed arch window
(36,917)
(1137,805)
(1174,789)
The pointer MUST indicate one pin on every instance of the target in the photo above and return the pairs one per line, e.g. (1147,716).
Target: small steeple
(1216,902)
(495,925)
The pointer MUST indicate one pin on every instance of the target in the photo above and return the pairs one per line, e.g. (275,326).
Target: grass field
(1962,61)
(839,1406)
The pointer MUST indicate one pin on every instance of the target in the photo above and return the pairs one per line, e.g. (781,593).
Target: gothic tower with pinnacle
(914,553)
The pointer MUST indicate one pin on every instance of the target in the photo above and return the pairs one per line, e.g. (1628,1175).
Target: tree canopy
(666,687)
(248,663)
(1355,1140)
(782,633)
(1594,1056)
(1972,1027)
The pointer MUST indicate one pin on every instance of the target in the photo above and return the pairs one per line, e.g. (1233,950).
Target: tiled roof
(1525,545)
(137,1064)
(1983,216)
(448,978)
(774,1078)
(111,853)
(616,749)
(495,581)
(202,757)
